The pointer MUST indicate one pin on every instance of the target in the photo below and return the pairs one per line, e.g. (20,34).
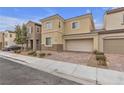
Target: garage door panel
(114,46)
(79,45)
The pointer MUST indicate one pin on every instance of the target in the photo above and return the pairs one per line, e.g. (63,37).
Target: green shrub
(101,60)
(34,54)
(101,57)
(99,53)
(31,52)
(17,51)
(42,54)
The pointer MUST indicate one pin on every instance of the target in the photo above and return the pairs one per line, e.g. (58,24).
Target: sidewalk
(79,73)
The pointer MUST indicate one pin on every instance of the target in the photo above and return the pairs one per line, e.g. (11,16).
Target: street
(12,73)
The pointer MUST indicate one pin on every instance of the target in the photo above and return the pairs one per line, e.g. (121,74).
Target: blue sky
(9,17)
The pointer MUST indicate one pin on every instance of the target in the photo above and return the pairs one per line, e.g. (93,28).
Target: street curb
(56,73)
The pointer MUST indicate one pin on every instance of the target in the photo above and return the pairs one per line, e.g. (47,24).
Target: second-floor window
(48,25)
(37,29)
(10,35)
(59,24)
(6,35)
(75,25)
(30,30)
(123,20)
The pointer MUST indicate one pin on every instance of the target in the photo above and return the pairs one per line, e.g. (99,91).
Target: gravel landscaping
(115,61)
(72,57)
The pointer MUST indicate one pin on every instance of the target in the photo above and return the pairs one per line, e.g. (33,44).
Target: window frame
(48,25)
(46,42)
(75,25)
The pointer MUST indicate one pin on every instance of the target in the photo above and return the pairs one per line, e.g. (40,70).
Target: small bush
(101,60)
(34,54)
(17,51)
(99,53)
(95,51)
(101,57)
(42,54)
(49,54)
(31,52)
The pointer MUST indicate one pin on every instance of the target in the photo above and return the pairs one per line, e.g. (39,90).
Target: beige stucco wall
(84,25)
(55,25)
(1,40)
(56,37)
(108,36)
(1,36)
(55,33)
(8,39)
(114,21)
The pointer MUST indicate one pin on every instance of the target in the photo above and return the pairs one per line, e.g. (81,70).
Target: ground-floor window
(48,41)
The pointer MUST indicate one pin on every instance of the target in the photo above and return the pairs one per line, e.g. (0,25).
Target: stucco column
(95,41)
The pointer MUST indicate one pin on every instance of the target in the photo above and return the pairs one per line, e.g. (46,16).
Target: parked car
(12,48)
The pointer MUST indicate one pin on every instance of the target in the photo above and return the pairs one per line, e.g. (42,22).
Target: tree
(21,34)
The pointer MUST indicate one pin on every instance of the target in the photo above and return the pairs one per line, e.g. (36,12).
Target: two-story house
(111,40)
(79,35)
(74,34)
(9,38)
(52,33)
(33,35)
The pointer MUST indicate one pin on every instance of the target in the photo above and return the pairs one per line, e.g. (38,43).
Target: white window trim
(48,45)
(49,23)
(72,25)
(123,20)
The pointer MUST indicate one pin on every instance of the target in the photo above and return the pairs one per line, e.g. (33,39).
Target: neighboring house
(74,34)
(111,40)
(79,34)
(1,40)
(9,38)
(33,35)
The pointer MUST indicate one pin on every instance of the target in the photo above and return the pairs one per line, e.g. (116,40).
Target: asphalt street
(12,73)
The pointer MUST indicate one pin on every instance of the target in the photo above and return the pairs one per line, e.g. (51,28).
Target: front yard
(114,61)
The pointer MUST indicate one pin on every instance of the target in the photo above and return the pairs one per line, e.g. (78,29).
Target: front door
(31,44)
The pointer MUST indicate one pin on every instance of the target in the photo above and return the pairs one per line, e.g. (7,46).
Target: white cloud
(88,11)
(97,24)
(115,7)
(8,23)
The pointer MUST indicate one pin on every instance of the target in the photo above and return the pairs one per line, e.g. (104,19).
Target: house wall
(55,33)
(1,40)
(34,36)
(10,40)
(114,21)
(84,25)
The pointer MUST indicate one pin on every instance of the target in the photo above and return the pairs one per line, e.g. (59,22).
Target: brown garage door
(114,46)
(85,45)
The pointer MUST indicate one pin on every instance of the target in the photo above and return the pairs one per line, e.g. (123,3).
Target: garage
(83,45)
(114,45)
